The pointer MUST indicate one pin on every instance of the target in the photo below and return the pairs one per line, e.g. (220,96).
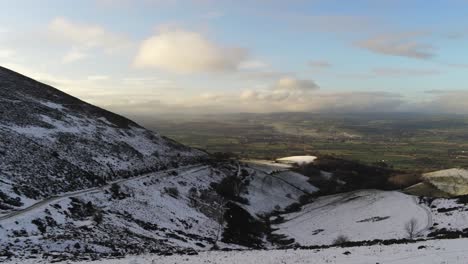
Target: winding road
(53,199)
(430,222)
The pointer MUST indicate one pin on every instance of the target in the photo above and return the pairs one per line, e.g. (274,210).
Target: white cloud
(85,37)
(248,95)
(264,101)
(98,78)
(73,55)
(282,89)
(6,53)
(293,84)
(187,52)
(402,44)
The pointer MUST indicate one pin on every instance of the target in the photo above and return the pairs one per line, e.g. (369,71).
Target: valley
(80,184)
(406,141)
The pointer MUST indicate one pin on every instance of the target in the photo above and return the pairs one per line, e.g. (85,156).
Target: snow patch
(299,160)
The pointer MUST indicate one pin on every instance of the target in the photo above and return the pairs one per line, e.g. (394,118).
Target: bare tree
(219,218)
(212,205)
(411,228)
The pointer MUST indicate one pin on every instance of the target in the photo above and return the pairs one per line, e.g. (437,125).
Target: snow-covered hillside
(169,211)
(367,215)
(272,188)
(79,183)
(77,180)
(428,252)
(359,215)
(51,143)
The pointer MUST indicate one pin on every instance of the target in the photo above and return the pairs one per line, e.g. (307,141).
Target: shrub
(341,239)
(229,187)
(40,225)
(117,193)
(172,191)
(98,217)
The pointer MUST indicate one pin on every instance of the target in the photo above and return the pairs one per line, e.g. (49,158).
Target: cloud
(6,53)
(402,44)
(282,89)
(98,78)
(292,84)
(84,37)
(316,101)
(453,101)
(73,55)
(184,51)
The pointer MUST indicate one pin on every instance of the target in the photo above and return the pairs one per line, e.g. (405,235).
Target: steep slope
(177,210)
(77,181)
(360,215)
(52,143)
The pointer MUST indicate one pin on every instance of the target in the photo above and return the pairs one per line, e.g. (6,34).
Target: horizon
(143,58)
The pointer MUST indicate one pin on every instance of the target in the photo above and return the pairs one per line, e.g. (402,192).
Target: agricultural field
(406,141)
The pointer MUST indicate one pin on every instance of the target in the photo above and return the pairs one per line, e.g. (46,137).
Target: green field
(404,141)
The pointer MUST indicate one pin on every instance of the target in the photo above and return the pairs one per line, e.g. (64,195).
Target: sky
(150,57)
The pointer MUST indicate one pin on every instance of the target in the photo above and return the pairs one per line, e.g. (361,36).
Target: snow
(52,105)
(359,215)
(267,163)
(299,160)
(271,189)
(454,219)
(452,251)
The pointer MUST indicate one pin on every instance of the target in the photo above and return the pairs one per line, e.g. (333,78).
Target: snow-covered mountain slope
(368,215)
(360,215)
(169,211)
(271,188)
(77,180)
(451,251)
(52,143)
(147,214)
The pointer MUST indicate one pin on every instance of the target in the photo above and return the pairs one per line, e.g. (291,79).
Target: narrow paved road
(430,222)
(86,191)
